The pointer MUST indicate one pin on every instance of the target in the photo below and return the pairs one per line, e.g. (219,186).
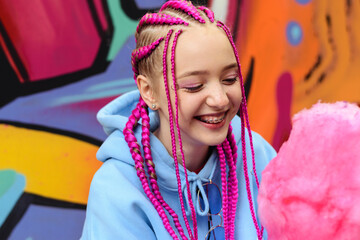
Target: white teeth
(212,119)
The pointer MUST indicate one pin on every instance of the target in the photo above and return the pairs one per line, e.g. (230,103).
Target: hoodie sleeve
(116,208)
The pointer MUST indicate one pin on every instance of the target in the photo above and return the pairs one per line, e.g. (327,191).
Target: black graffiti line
(249,78)
(12,51)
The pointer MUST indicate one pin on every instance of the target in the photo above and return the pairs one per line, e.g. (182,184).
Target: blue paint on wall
(146,4)
(303,2)
(294,33)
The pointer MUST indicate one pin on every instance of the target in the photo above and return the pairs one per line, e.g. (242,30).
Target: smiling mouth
(211,119)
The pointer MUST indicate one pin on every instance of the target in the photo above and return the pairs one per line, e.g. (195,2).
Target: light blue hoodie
(118,207)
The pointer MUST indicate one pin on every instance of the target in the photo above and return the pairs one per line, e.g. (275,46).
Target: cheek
(235,96)
(234,89)
(189,105)
(238,99)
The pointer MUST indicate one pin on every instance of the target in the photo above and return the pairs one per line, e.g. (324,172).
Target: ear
(146,89)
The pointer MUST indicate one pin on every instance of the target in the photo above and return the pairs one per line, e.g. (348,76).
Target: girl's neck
(195,155)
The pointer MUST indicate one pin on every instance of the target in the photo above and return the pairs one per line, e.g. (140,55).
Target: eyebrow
(196,73)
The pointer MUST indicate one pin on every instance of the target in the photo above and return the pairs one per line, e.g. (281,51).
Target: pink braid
(246,174)
(242,110)
(245,108)
(231,154)
(159,19)
(141,53)
(251,144)
(224,189)
(172,133)
(233,187)
(233,144)
(208,12)
(185,7)
(139,166)
(150,165)
(193,213)
(234,148)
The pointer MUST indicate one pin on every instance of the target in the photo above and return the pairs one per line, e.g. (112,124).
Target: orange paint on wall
(264,40)
(330,57)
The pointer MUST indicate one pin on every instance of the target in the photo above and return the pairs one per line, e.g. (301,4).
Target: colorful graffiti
(299,52)
(61,61)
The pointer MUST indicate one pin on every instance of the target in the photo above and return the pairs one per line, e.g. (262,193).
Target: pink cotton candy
(311,190)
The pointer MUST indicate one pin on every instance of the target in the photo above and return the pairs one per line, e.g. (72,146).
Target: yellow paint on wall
(55,166)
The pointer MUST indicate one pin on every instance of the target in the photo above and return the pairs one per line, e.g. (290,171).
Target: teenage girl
(178,162)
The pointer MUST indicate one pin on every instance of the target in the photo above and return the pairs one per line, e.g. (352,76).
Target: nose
(217,97)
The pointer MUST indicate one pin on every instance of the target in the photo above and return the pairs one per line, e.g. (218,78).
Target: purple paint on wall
(40,222)
(63,108)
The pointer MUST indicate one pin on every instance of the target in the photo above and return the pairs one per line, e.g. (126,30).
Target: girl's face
(208,88)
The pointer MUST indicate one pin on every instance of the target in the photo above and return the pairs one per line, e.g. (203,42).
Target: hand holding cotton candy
(311,190)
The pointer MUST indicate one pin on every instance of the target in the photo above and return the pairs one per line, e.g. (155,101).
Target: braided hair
(153,33)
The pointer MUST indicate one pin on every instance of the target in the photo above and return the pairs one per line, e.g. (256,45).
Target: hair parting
(208,12)
(141,53)
(159,19)
(185,7)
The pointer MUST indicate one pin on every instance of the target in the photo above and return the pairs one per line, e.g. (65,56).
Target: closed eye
(192,89)
(230,81)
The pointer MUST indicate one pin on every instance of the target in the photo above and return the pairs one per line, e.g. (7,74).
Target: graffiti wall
(61,61)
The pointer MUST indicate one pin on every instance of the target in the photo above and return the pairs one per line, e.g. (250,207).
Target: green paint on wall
(7,179)
(12,185)
(123,28)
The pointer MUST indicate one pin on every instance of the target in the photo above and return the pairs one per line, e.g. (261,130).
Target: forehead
(203,47)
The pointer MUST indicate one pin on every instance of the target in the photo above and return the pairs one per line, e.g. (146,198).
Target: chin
(215,139)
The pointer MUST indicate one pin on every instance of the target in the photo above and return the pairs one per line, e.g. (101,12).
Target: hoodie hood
(116,113)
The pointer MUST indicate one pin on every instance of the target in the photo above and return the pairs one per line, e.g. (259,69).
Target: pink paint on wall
(51,38)
(100,11)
